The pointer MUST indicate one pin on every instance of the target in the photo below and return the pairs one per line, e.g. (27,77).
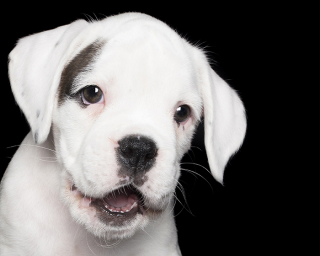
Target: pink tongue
(117,200)
(121,197)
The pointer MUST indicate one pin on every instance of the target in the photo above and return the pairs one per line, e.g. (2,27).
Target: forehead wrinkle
(78,65)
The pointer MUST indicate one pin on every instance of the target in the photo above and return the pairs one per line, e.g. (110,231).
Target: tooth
(133,205)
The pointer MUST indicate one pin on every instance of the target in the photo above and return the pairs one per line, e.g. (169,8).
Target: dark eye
(182,113)
(91,94)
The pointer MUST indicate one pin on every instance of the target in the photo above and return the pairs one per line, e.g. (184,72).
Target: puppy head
(123,97)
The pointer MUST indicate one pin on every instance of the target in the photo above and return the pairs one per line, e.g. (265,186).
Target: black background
(240,39)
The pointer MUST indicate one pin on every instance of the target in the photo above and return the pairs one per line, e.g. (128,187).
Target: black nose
(137,152)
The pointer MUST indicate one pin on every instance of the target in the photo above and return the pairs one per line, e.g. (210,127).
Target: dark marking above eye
(38,113)
(79,64)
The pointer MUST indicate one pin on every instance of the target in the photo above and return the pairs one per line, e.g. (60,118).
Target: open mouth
(117,206)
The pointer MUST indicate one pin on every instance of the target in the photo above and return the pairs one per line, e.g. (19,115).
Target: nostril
(152,154)
(127,151)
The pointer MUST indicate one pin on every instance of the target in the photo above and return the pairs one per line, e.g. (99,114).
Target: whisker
(195,173)
(183,207)
(174,202)
(30,145)
(88,244)
(76,232)
(106,245)
(197,148)
(147,233)
(198,165)
(191,157)
(186,205)
(180,187)
(43,160)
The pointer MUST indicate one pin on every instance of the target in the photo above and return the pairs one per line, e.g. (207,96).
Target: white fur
(145,71)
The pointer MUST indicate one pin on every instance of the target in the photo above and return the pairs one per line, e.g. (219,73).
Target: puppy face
(127,107)
(123,97)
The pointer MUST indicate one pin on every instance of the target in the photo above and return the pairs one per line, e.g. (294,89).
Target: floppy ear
(35,66)
(224,117)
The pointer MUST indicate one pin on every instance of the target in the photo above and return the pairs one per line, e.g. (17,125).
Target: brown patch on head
(79,64)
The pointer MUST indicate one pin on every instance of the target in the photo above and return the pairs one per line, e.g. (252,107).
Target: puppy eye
(91,94)
(182,113)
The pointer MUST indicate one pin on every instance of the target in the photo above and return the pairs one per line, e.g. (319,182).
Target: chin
(116,215)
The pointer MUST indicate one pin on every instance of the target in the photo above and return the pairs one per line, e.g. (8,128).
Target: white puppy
(112,106)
